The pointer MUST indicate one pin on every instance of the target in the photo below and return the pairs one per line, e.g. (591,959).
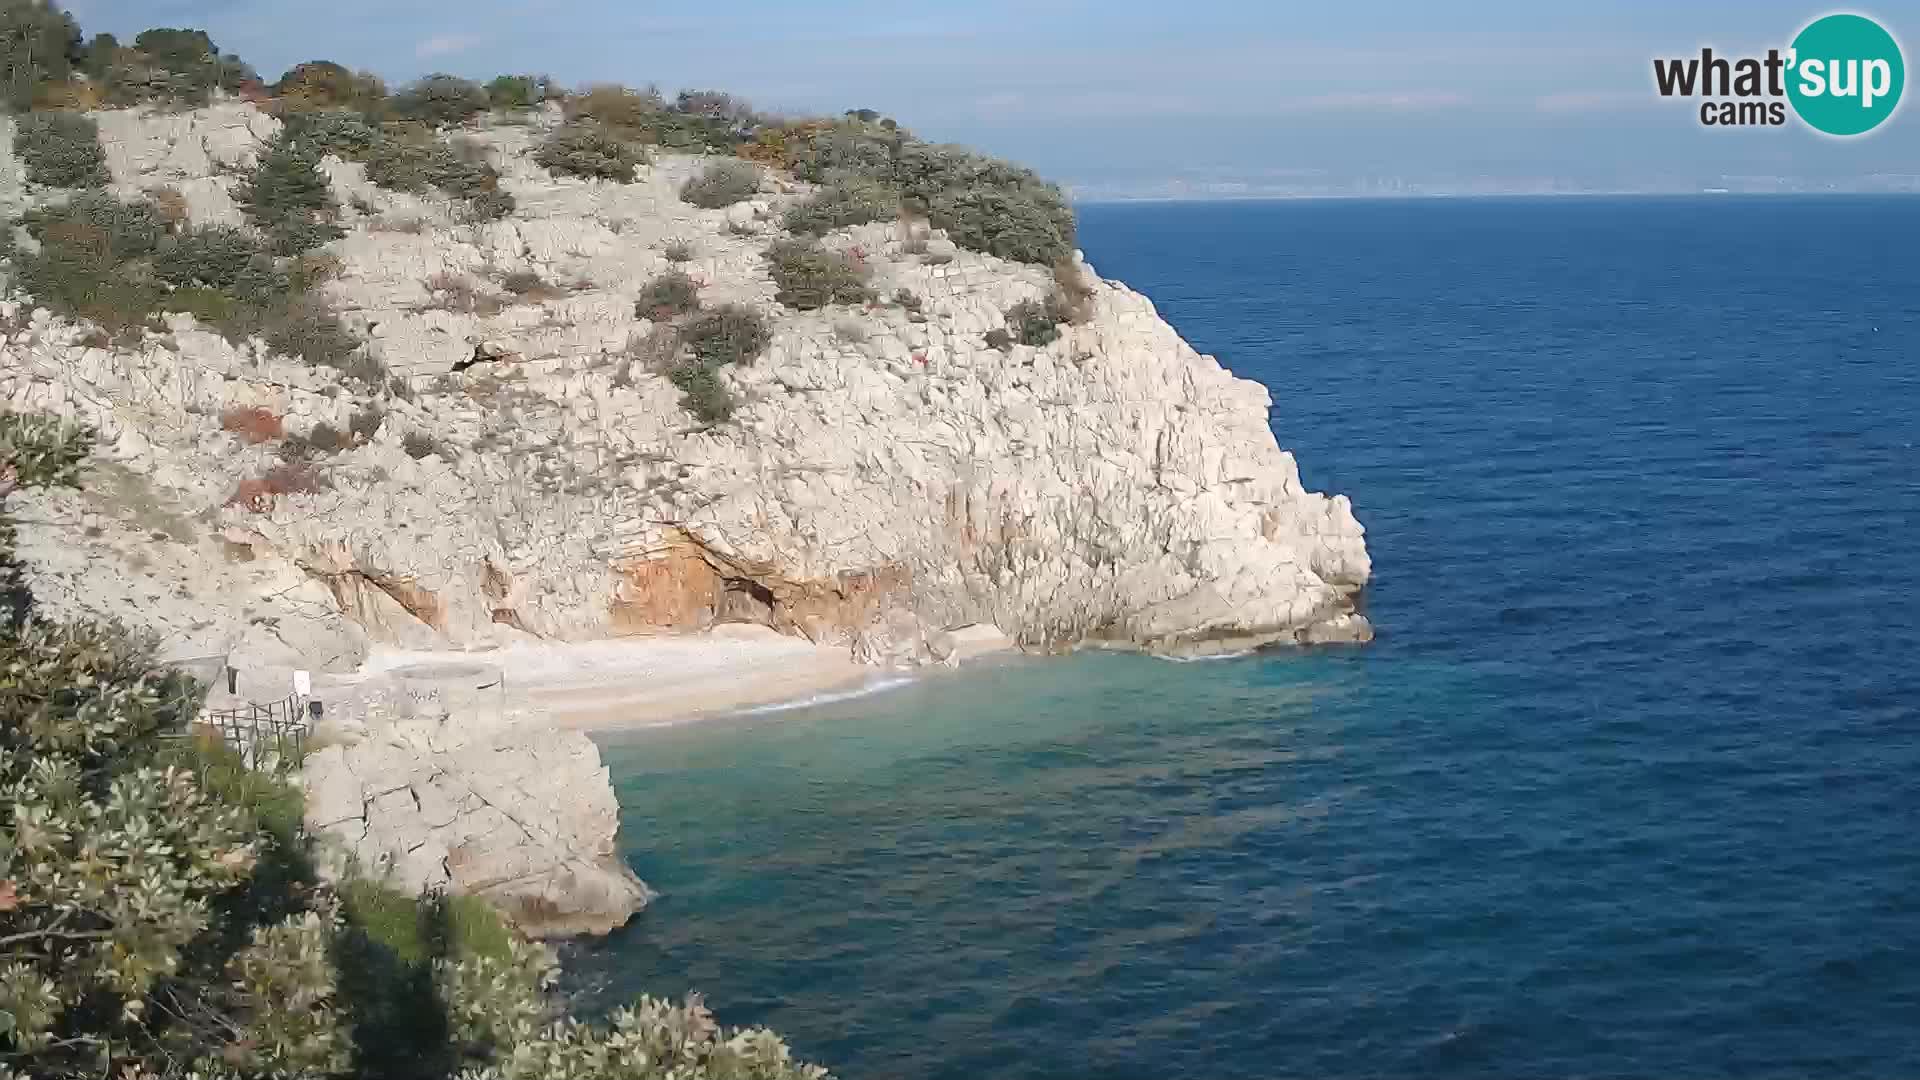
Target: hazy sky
(1124,93)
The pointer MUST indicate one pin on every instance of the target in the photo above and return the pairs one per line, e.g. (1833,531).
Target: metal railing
(266,736)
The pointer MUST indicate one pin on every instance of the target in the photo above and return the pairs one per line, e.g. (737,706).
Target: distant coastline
(1422,196)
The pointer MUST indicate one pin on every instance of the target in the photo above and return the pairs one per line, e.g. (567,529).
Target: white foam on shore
(1206,657)
(868,689)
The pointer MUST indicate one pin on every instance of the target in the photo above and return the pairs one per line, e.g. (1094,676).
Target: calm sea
(1629,786)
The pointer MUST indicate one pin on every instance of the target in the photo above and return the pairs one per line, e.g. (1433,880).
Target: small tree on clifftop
(39,43)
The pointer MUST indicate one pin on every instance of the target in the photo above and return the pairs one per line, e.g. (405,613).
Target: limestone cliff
(888,476)
(430,782)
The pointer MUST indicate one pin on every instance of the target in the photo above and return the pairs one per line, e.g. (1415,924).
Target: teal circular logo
(1845,74)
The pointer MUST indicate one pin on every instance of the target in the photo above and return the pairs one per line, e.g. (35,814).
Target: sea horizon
(1635,813)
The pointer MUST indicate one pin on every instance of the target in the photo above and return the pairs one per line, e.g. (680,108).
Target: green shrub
(312,270)
(218,257)
(84,722)
(342,133)
(998,338)
(702,392)
(984,203)
(908,299)
(642,116)
(130,230)
(269,802)
(99,54)
(175,67)
(321,440)
(627,113)
(38,45)
(721,184)
(418,930)
(88,289)
(728,334)
(714,105)
(518,91)
(591,152)
(91,259)
(810,277)
(672,293)
(693,134)
(419,444)
(1024,224)
(528,284)
(1032,323)
(491,206)
(288,197)
(61,149)
(845,149)
(679,251)
(398,165)
(311,332)
(462,179)
(852,202)
(323,84)
(235,320)
(440,100)
(365,422)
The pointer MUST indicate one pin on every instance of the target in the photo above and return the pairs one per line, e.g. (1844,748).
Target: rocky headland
(892,484)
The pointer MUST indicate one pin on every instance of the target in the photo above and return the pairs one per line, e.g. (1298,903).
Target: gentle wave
(866,689)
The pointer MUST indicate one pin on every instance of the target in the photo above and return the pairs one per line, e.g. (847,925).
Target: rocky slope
(888,476)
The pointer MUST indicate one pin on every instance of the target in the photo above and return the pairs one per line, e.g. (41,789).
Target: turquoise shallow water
(1627,787)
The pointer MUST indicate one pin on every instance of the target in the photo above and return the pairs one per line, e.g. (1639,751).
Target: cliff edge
(886,476)
(495,438)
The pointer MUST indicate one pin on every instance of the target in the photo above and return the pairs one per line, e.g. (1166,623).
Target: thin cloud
(1577,101)
(445,45)
(1382,101)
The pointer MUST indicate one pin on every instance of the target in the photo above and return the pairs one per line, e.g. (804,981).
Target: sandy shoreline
(651,681)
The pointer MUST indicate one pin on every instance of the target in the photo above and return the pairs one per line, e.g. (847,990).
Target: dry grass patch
(459,293)
(530,288)
(254,425)
(286,478)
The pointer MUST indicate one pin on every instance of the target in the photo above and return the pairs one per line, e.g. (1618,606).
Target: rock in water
(439,789)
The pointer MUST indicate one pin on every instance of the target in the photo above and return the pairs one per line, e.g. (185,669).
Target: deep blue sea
(1629,786)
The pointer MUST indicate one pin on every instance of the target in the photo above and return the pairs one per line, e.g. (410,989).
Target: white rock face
(889,483)
(886,466)
(434,787)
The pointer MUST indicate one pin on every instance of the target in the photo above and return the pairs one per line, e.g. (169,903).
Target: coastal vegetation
(288,198)
(810,277)
(122,263)
(722,184)
(672,293)
(590,152)
(163,912)
(61,149)
(869,163)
